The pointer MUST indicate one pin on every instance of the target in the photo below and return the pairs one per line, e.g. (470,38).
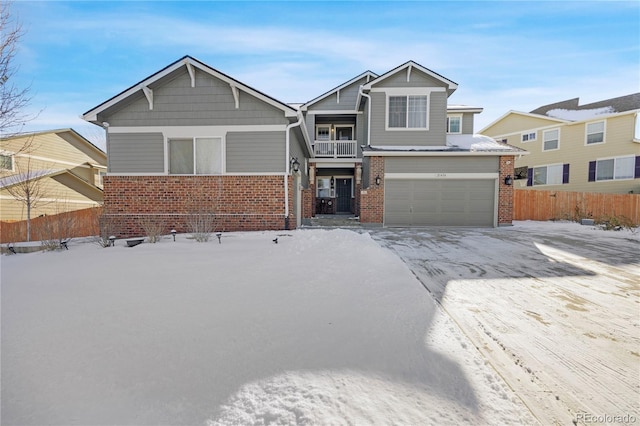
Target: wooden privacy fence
(554,205)
(79,223)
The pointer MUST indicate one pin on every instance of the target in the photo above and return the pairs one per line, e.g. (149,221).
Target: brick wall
(372,198)
(239,203)
(505,192)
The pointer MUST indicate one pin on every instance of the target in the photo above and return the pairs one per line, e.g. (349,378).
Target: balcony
(336,149)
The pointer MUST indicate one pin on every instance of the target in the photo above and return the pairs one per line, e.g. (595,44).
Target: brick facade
(239,203)
(372,198)
(505,192)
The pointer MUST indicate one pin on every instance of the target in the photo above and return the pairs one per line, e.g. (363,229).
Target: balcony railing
(336,149)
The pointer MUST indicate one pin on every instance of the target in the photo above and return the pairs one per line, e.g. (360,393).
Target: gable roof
(84,145)
(524,114)
(369,74)
(411,64)
(190,63)
(619,104)
(16,179)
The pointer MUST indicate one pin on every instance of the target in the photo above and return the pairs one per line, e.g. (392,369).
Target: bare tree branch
(13,100)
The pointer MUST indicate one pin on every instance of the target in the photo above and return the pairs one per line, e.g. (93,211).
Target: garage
(439,202)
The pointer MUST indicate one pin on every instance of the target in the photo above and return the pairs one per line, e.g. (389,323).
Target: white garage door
(437,202)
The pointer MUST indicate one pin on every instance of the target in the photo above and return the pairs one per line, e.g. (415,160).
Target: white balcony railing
(336,149)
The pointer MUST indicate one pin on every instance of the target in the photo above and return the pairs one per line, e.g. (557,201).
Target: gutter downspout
(287,168)
(368,114)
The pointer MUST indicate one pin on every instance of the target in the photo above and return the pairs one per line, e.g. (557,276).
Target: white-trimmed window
(6,161)
(595,132)
(195,156)
(551,140)
(548,175)
(615,168)
(407,112)
(454,124)
(324,189)
(528,137)
(323,133)
(636,132)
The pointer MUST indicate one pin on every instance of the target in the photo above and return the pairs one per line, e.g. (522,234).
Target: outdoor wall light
(295,164)
(173,232)
(508,180)
(378,180)
(332,181)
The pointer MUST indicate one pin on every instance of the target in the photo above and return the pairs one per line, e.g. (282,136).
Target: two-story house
(59,170)
(386,148)
(587,148)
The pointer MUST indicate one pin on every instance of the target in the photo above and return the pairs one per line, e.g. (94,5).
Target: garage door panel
(439,202)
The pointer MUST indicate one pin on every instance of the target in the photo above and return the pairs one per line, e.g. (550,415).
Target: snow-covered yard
(555,307)
(325,327)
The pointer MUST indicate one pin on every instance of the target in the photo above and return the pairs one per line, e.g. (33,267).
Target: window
(454,124)
(199,156)
(6,162)
(595,132)
(636,133)
(612,169)
(99,178)
(407,112)
(556,174)
(323,133)
(528,137)
(551,140)
(324,187)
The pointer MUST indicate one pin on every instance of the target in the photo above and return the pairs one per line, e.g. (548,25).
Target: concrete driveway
(554,307)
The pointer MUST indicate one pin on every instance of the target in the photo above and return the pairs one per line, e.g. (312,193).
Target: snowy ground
(555,307)
(325,327)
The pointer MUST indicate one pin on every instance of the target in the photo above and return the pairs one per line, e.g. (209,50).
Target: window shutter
(565,173)
(637,173)
(529,177)
(592,171)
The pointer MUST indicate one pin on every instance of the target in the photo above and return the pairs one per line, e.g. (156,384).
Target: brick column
(372,198)
(505,192)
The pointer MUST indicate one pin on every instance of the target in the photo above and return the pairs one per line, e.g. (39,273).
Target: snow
(324,327)
(579,114)
(473,143)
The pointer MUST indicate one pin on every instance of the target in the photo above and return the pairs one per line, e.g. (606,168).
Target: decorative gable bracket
(236,95)
(149,94)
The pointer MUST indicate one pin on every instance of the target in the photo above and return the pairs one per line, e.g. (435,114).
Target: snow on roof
(22,177)
(457,143)
(579,114)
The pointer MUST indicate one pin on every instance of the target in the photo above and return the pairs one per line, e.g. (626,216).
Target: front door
(343,195)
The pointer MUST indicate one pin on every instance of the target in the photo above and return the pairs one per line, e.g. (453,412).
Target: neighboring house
(386,148)
(63,169)
(587,148)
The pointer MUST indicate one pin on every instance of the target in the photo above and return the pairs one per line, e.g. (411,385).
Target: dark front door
(343,195)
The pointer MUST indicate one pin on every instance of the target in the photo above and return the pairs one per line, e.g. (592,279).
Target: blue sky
(503,55)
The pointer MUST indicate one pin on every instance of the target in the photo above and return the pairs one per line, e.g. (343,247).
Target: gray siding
(418,79)
(136,153)
(310,121)
(441,164)
(348,96)
(435,136)
(255,152)
(467,123)
(297,150)
(210,103)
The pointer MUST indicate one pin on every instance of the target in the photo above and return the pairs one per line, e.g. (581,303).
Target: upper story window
(636,133)
(323,133)
(407,112)
(195,156)
(551,140)
(6,162)
(595,132)
(548,175)
(454,124)
(528,137)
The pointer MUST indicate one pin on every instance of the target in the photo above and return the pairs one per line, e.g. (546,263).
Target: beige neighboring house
(587,148)
(67,167)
